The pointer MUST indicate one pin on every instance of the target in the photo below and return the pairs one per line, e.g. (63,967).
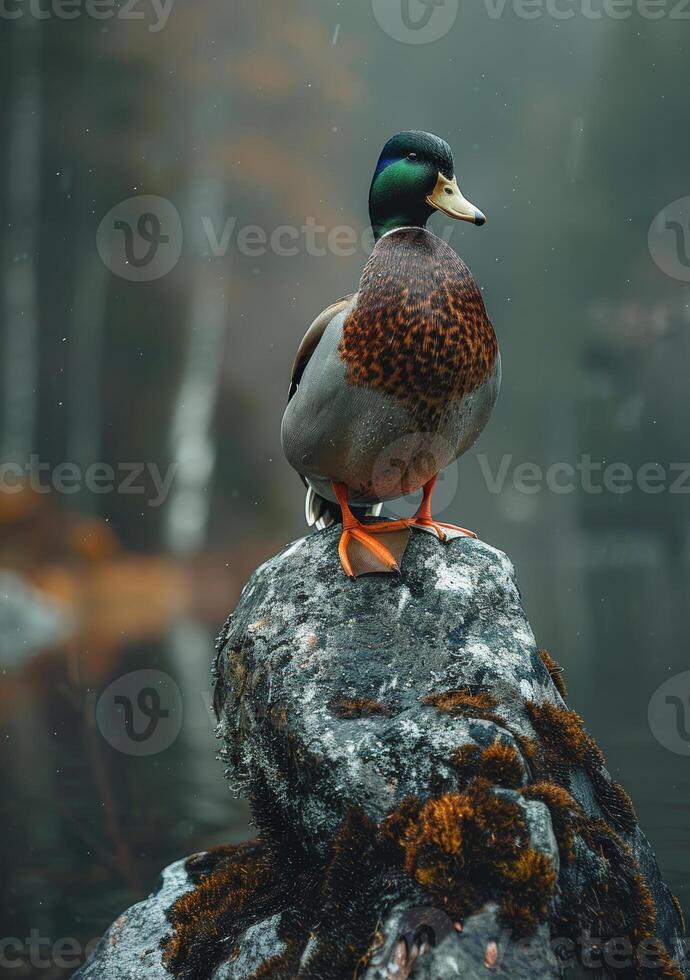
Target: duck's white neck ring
(403,228)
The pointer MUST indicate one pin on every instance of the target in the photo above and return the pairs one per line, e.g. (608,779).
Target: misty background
(236,121)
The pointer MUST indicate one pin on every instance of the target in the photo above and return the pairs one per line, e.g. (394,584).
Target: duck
(394,382)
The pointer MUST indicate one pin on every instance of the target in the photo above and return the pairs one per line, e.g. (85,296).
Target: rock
(418,783)
(465,955)
(131,949)
(334,673)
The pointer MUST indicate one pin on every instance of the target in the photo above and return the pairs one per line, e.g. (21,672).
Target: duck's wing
(312,337)
(319,512)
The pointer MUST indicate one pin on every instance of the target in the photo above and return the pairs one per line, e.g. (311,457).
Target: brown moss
(614,802)
(564,745)
(232,686)
(461,850)
(279,719)
(207,920)
(464,702)
(564,730)
(344,707)
(556,672)
(467,848)
(615,904)
(529,884)
(679,912)
(284,847)
(666,968)
(623,874)
(465,760)
(529,748)
(564,742)
(333,900)
(502,766)
(204,862)
(439,830)
(331,960)
(356,881)
(281,967)
(238,673)
(564,811)
(394,826)
(618,902)
(356,840)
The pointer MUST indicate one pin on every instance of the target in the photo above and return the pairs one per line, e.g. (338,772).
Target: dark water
(88,827)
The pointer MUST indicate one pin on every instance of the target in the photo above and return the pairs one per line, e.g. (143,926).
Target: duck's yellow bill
(447,197)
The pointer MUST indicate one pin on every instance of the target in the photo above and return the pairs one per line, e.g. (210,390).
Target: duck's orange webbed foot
(423,518)
(446,532)
(367,548)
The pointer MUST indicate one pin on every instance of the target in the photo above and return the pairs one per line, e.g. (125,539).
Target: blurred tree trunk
(19,267)
(85,410)
(193,448)
(191,441)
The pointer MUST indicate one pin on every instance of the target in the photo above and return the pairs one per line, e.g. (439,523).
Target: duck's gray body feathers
(340,427)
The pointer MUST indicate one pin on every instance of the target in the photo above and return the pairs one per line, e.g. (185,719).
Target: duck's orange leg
(423,517)
(360,550)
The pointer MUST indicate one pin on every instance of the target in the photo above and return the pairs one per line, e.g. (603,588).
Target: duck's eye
(412,156)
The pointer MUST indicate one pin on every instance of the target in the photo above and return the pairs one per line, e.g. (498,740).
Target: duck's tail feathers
(318,511)
(322,513)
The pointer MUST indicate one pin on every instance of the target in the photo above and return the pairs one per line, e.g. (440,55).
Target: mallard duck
(394,382)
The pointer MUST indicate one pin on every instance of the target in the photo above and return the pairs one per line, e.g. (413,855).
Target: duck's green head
(414,177)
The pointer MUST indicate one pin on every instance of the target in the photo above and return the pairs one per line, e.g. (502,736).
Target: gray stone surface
(130,950)
(463,956)
(303,634)
(304,651)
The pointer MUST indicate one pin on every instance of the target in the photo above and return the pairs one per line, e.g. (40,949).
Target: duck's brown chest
(419,331)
